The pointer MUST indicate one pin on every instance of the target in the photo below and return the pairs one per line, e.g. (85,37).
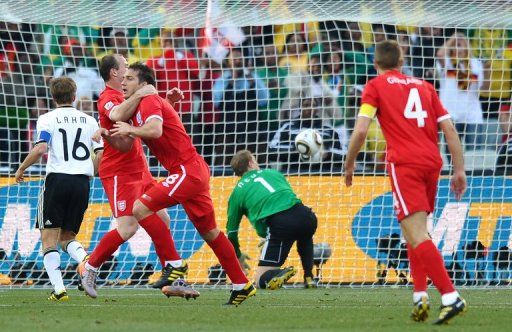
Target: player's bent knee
(140,211)
(127,227)
(210,235)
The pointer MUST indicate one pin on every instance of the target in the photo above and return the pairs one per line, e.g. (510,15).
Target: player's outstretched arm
(458,182)
(150,130)
(34,155)
(125,110)
(356,142)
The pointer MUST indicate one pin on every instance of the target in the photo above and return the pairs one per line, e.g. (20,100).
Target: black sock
(267,276)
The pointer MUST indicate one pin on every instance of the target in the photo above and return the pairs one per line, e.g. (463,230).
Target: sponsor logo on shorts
(121,205)
(47,223)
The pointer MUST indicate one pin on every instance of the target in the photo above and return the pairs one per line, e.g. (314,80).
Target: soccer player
(125,176)
(67,134)
(410,113)
(277,215)
(159,126)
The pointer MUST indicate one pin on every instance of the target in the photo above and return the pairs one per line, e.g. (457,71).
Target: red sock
(225,252)
(419,276)
(106,248)
(161,236)
(433,264)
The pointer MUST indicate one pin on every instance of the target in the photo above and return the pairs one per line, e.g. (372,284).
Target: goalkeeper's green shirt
(258,194)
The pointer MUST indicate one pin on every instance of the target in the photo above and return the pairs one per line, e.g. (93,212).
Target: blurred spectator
(295,57)
(310,32)
(118,43)
(147,44)
(86,105)
(424,46)
(504,160)
(274,78)
(210,72)
(282,146)
(177,68)
(357,64)
(380,32)
(461,77)
(335,78)
(88,81)
(17,88)
(14,38)
(40,106)
(404,42)
(238,95)
(499,91)
(58,41)
(311,85)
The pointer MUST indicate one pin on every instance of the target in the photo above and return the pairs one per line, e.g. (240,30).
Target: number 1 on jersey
(414,109)
(265,184)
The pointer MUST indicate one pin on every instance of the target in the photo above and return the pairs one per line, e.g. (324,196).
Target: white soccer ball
(308,142)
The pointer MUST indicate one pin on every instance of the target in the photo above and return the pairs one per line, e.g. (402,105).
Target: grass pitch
(333,309)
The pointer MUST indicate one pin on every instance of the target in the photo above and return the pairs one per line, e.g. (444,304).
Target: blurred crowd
(256,87)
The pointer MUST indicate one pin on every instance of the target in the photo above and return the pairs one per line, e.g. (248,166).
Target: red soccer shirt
(174,147)
(115,162)
(408,110)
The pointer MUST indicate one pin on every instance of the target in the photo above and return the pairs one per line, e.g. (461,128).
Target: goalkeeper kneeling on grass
(266,198)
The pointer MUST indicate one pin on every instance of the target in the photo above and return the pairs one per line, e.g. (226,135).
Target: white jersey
(68,133)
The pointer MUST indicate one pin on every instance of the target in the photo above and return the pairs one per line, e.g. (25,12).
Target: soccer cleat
(81,266)
(180,288)
(283,276)
(61,297)
(87,280)
(310,283)
(239,296)
(450,311)
(420,310)
(170,274)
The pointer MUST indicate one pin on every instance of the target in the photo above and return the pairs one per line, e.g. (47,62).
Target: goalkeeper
(275,212)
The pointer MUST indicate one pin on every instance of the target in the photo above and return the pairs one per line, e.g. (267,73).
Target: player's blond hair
(388,54)
(240,162)
(63,90)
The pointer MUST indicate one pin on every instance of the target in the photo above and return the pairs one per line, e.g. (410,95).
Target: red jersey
(408,110)
(174,147)
(115,162)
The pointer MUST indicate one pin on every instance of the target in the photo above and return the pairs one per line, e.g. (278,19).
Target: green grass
(331,309)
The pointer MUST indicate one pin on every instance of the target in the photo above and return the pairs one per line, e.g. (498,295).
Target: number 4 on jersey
(413,109)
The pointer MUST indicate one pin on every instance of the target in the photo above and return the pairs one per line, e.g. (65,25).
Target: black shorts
(63,201)
(298,223)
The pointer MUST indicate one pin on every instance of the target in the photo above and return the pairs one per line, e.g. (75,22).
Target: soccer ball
(308,142)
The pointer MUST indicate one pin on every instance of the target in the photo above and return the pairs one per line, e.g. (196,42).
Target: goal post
(254,73)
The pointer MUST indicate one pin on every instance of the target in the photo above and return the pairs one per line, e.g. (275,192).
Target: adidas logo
(47,223)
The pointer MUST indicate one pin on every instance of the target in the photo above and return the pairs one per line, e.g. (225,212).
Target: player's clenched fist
(458,184)
(19,175)
(174,95)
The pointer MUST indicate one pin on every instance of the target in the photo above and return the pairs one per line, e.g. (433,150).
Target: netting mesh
(297,64)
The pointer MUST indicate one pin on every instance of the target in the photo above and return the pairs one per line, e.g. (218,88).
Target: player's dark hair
(240,162)
(63,90)
(107,63)
(388,54)
(144,73)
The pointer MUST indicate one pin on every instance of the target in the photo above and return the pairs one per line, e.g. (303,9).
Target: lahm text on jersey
(71,119)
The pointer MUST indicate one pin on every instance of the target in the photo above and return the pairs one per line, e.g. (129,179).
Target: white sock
(51,260)
(238,286)
(76,251)
(449,298)
(416,296)
(177,263)
(90,267)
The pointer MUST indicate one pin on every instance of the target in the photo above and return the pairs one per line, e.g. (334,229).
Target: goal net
(254,74)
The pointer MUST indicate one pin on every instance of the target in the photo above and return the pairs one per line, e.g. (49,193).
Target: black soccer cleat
(61,297)
(170,274)
(450,311)
(281,278)
(239,296)
(420,310)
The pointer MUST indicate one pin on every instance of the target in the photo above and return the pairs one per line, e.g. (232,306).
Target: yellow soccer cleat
(284,275)
(420,311)
(239,296)
(61,297)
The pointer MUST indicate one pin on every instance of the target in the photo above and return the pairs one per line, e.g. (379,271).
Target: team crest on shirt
(138,117)
(121,205)
(109,105)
